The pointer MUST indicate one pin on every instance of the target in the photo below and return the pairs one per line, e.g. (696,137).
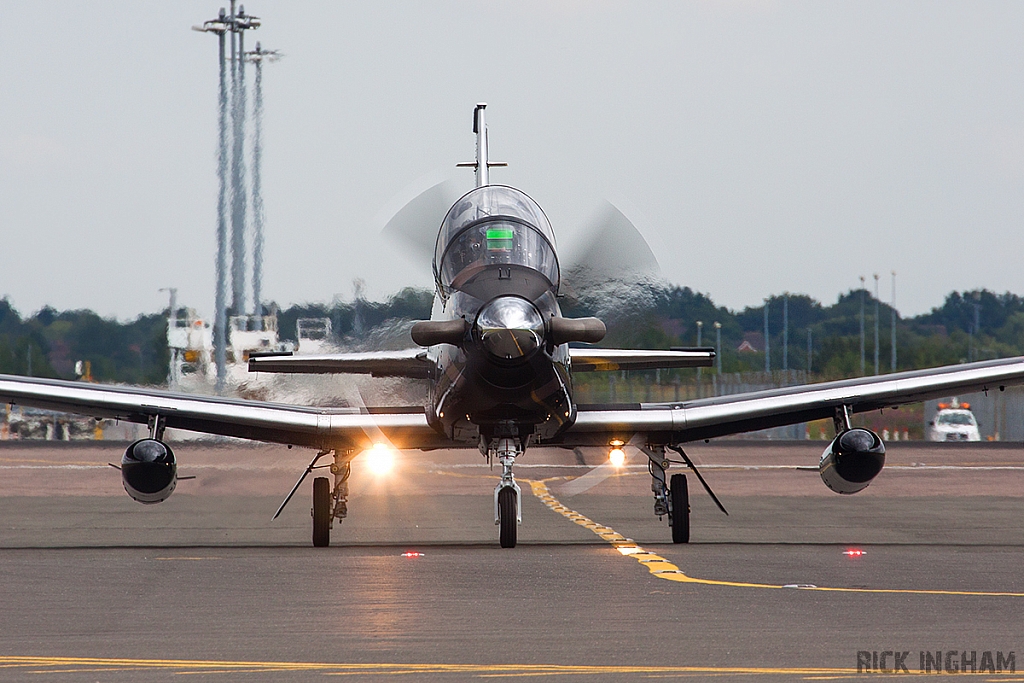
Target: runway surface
(96,587)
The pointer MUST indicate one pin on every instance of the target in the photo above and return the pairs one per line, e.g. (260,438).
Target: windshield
(494,224)
(961,419)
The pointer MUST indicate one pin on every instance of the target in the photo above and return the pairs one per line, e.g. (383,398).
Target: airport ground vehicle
(954,422)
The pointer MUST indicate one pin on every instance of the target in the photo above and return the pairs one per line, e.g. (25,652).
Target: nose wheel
(508,502)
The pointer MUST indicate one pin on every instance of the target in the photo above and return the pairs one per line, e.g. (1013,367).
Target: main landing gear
(328,504)
(671,500)
(508,505)
(331,504)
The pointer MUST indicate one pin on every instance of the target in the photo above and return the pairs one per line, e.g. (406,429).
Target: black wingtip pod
(148,471)
(852,461)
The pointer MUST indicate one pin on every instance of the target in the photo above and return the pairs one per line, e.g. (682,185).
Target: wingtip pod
(565,330)
(432,332)
(852,460)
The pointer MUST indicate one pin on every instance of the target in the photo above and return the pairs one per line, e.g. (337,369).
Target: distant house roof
(753,342)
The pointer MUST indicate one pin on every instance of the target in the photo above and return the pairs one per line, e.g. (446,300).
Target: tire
(680,509)
(507,514)
(321,512)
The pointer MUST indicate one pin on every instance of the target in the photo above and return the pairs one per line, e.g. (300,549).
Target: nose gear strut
(508,505)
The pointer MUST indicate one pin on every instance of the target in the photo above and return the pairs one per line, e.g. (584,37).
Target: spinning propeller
(609,250)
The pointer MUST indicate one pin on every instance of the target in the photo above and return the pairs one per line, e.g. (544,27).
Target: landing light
(380,459)
(617,457)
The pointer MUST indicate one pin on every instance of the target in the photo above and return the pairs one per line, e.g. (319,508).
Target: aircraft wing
(272,422)
(595,425)
(628,359)
(723,415)
(405,363)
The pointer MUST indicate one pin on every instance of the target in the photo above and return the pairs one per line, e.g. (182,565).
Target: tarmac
(796,583)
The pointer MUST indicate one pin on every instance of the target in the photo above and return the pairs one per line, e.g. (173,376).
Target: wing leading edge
(723,415)
(260,421)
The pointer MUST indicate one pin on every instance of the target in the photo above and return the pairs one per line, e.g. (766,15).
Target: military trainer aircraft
(498,360)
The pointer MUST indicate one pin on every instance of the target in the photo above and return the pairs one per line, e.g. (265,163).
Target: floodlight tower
(257,57)
(239,23)
(219,27)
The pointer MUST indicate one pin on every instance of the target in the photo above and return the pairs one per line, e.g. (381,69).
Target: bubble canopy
(494,225)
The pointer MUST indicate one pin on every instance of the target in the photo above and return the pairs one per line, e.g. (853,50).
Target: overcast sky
(765,147)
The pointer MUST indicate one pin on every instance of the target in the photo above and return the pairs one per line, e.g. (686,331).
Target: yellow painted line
(663,569)
(199,667)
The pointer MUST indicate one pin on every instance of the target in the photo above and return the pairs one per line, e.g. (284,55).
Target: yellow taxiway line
(663,569)
(187,666)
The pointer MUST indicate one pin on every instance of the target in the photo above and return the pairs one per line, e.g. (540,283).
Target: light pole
(219,26)
(876,323)
(810,353)
(718,346)
(172,317)
(785,332)
(893,360)
(862,325)
(172,322)
(977,324)
(767,345)
(700,371)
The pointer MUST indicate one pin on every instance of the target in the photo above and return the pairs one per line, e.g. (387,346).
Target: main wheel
(321,512)
(680,509)
(507,515)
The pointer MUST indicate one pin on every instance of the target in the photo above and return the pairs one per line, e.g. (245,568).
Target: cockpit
(494,225)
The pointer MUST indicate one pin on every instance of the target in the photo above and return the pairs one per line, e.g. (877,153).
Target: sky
(763,147)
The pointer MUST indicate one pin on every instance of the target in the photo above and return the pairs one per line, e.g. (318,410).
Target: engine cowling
(852,460)
(148,471)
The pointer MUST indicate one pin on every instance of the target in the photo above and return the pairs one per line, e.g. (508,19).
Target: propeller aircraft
(499,359)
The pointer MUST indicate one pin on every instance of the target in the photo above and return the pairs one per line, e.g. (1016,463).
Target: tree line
(970,325)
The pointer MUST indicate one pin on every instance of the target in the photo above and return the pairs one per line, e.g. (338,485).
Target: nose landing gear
(508,505)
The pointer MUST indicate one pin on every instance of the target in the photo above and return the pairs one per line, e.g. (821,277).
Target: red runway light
(854,552)
(412,553)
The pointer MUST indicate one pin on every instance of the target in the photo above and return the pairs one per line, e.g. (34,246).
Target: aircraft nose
(509,328)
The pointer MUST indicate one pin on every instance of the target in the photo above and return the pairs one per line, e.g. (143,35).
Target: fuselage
(496,267)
